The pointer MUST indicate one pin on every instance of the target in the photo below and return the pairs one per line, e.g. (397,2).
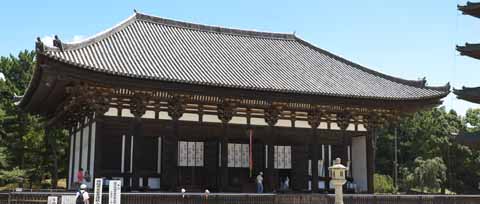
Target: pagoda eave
(472,9)
(468,94)
(471,50)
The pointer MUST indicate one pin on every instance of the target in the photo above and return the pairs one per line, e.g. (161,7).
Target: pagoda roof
(471,50)
(471,94)
(471,8)
(154,48)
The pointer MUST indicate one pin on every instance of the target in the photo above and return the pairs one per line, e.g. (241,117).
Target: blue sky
(409,39)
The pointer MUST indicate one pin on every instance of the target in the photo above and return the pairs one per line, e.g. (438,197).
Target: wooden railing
(238,198)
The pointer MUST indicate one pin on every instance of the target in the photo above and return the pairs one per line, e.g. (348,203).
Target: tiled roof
(150,47)
(471,94)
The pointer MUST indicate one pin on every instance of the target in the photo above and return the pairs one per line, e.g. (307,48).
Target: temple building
(471,94)
(163,105)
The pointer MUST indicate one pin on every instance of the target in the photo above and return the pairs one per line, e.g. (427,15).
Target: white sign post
(114,192)
(97,192)
(52,200)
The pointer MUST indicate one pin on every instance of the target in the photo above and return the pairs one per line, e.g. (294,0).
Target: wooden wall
(109,150)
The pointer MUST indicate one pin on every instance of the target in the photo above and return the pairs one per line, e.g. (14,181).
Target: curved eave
(471,94)
(471,50)
(443,90)
(472,9)
(32,87)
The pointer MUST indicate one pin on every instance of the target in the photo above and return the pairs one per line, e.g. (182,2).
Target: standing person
(80,176)
(82,195)
(86,176)
(286,183)
(260,183)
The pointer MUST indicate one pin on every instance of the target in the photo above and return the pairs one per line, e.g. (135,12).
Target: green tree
(472,118)
(27,149)
(428,173)
(383,184)
(429,134)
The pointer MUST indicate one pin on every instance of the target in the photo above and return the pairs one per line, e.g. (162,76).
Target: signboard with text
(97,192)
(114,190)
(52,200)
(68,199)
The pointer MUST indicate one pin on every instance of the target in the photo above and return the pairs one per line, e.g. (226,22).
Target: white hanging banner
(52,200)
(97,192)
(114,191)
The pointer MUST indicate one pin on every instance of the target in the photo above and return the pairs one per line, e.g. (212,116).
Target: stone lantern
(337,173)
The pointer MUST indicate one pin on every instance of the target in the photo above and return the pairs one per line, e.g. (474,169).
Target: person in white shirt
(82,196)
(286,183)
(260,183)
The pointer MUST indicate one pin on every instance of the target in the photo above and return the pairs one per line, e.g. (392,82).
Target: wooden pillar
(313,118)
(314,145)
(126,164)
(343,121)
(272,115)
(138,138)
(226,110)
(80,152)
(176,108)
(71,149)
(371,123)
(138,107)
(271,171)
(98,133)
(174,162)
(370,160)
(224,158)
(89,156)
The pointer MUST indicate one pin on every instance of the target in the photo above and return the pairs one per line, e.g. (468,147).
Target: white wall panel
(359,162)
(76,165)
(71,157)
(85,148)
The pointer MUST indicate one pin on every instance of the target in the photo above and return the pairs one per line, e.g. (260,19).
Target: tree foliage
(429,174)
(427,139)
(472,119)
(383,184)
(23,149)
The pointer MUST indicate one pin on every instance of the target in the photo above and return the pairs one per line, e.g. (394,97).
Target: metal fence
(239,198)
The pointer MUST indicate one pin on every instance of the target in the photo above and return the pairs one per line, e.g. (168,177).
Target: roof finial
(294,32)
(135,10)
(58,43)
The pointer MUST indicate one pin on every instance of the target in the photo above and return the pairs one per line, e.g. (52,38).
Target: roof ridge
(415,83)
(89,40)
(41,47)
(214,29)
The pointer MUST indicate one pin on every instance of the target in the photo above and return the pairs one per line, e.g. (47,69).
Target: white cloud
(77,38)
(2,77)
(47,40)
